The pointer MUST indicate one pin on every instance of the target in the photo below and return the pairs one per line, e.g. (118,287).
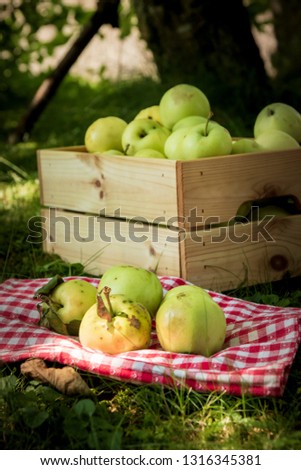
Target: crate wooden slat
(217,186)
(221,258)
(133,188)
(224,258)
(100,242)
(177,193)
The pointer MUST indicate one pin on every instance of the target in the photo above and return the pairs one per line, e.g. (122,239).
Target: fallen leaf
(65,379)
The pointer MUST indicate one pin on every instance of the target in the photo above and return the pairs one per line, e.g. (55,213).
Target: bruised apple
(190,321)
(137,284)
(115,324)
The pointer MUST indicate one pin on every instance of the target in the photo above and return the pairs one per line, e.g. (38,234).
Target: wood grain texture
(127,187)
(175,193)
(216,187)
(224,258)
(99,242)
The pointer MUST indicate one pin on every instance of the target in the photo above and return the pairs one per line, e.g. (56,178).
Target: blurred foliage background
(212,44)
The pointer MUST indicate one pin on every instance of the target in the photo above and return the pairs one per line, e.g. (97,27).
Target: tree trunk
(106,13)
(287,58)
(208,43)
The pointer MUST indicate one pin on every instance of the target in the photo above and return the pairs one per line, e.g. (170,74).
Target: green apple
(173,148)
(137,284)
(115,325)
(185,289)
(273,139)
(144,133)
(110,152)
(64,303)
(104,134)
(245,145)
(243,211)
(204,140)
(191,121)
(190,321)
(149,153)
(181,101)
(259,212)
(151,112)
(279,116)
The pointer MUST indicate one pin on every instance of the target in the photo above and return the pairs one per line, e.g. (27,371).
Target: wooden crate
(158,214)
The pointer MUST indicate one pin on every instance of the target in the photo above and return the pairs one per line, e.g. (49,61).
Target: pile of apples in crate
(181,127)
(119,315)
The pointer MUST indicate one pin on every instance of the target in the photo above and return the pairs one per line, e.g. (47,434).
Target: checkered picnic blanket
(261,343)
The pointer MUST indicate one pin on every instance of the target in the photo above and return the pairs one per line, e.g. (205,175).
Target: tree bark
(106,13)
(208,43)
(287,57)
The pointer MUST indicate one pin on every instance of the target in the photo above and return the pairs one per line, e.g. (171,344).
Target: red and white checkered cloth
(261,343)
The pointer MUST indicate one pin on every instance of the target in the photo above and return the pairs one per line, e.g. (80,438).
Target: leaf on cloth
(49,319)
(64,379)
(47,288)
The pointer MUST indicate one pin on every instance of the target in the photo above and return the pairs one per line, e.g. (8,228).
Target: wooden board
(125,187)
(221,258)
(165,192)
(216,187)
(99,242)
(224,258)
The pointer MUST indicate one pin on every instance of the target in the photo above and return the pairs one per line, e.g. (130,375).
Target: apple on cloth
(115,324)
(64,303)
(260,345)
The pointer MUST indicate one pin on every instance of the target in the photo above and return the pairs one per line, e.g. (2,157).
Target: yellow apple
(64,303)
(152,112)
(115,325)
(104,134)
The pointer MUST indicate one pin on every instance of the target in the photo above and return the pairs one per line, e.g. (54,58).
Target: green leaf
(49,319)
(73,327)
(33,417)
(48,287)
(84,407)
(7,384)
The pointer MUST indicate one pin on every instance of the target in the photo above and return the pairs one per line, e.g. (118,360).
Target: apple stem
(102,310)
(207,122)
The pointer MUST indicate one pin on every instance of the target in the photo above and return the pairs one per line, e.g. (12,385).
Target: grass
(117,415)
